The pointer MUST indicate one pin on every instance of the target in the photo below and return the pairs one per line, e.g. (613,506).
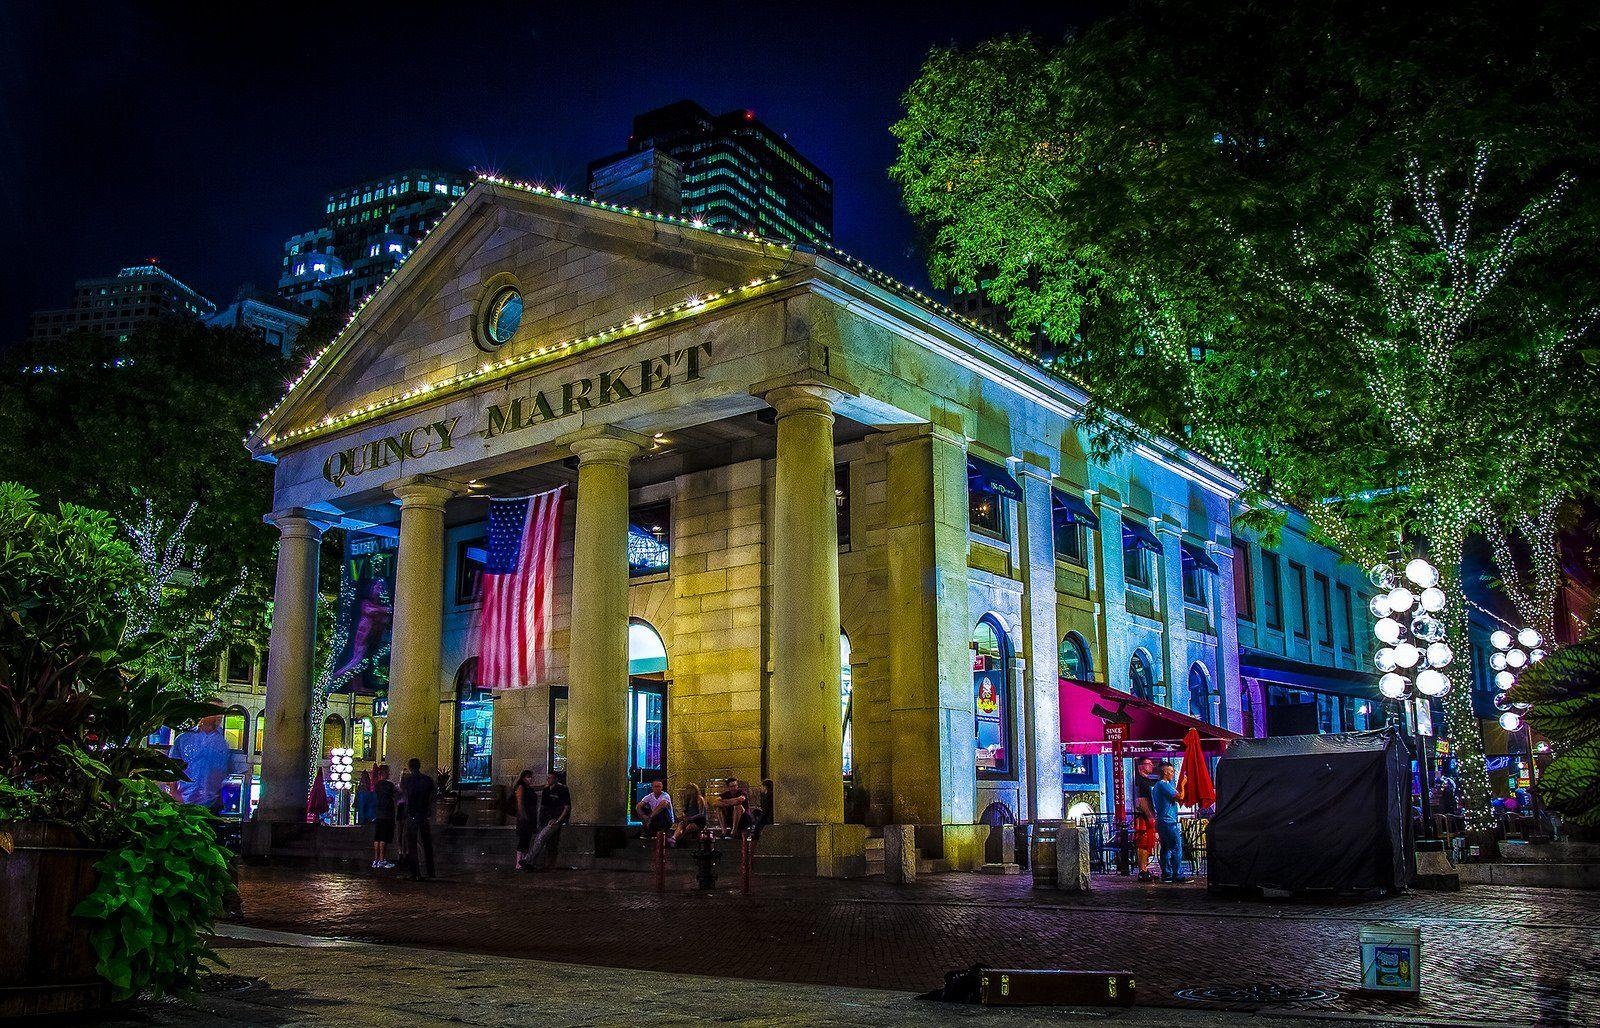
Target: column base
(823,850)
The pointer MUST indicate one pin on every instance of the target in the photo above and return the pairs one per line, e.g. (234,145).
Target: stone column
(418,624)
(806,725)
(1175,636)
(286,755)
(1115,621)
(931,719)
(597,704)
(1040,641)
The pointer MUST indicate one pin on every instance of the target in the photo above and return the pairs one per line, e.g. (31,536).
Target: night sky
(167,130)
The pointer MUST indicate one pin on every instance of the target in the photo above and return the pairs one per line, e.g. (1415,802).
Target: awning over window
(1274,669)
(987,477)
(1137,533)
(1196,556)
(1075,508)
(1151,728)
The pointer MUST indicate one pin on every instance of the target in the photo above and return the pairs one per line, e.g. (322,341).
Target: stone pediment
(580,269)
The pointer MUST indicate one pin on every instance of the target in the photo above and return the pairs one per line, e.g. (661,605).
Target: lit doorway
(647,711)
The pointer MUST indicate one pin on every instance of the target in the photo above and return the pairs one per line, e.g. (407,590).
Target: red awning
(1153,728)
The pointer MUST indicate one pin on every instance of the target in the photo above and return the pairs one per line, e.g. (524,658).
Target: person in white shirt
(654,810)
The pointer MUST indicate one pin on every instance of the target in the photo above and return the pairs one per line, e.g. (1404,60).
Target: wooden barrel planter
(46,960)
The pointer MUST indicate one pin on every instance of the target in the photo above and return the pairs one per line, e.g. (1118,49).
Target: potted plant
(106,883)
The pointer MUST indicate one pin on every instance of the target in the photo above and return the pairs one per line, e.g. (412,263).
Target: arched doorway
(991,660)
(474,736)
(647,709)
(846,702)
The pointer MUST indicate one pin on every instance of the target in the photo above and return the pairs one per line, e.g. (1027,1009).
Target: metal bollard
(747,859)
(658,861)
(705,859)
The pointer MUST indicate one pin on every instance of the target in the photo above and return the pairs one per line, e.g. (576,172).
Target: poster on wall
(989,689)
(366,615)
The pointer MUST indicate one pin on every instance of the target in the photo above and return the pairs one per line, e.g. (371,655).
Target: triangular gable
(581,267)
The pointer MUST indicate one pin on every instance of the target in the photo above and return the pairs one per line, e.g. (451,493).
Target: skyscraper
(367,229)
(731,170)
(117,305)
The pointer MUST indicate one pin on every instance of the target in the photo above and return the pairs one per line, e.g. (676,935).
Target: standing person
(383,811)
(363,810)
(654,810)
(419,793)
(1164,798)
(206,762)
(525,802)
(555,806)
(1145,835)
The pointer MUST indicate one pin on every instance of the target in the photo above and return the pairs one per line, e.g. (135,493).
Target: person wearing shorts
(383,793)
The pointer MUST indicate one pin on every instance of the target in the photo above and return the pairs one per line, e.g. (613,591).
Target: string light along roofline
(1011,346)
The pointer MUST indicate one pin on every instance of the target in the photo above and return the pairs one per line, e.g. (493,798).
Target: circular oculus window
(503,316)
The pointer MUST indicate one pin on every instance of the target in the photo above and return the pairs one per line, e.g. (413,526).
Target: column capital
(300,522)
(915,433)
(803,398)
(424,491)
(605,449)
(1167,526)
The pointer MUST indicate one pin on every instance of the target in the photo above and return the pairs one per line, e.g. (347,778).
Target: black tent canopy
(1324,812)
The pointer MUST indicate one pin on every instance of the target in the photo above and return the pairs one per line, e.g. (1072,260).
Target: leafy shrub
(158,893)
(1564,690)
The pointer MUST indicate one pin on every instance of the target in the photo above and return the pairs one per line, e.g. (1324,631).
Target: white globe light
(1401,598)
(1421,572)
(1383,660)
(1392,685)
(1427,628)
(1380,606)
(1510,721)
(1439,655)
(1407,655)
(1382,576)
(1432,599)
(1529,638)
(1535,655)
(1497,660)
(1516,658)
(1500,639)
(1504,679)
(1502,701)
(1387,630)
(1432,683)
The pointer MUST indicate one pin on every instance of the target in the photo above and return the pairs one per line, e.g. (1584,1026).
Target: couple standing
(543,810)
(1155,817)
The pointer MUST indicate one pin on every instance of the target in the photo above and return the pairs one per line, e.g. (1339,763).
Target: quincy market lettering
(623,383)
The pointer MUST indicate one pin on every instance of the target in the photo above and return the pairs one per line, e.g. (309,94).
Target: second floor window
(1244,591)
(1272,590)
(1198,567)
(1325,613)
(989,486)
(1347,605)
(1297,580)
(1071,519)
(649,539)
(1139,546)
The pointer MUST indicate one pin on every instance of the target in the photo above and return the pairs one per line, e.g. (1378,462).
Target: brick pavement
(1490,954)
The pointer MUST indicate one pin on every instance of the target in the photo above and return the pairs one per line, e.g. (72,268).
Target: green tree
(155,420)
(1564,693)
(1257,228)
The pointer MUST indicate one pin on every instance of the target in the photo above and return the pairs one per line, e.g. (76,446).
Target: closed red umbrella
(317,800)
(1195,787)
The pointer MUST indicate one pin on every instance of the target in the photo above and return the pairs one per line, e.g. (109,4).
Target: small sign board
(1391,959)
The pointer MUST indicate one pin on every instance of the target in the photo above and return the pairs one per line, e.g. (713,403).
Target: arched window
(647,654)
(992,698)
(235,728)
(1140,682)
(260,732)
(474,726)
(845,701)
(1074,654)
(332,733)
(1200,694)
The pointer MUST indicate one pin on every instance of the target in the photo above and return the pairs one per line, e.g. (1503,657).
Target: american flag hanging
(518,589)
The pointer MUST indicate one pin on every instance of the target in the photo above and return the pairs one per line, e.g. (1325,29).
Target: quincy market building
(819,529)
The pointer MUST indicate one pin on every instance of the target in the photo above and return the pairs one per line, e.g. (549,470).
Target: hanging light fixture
(1510,721)
(1392,686)
(1431,682)
(1422,573)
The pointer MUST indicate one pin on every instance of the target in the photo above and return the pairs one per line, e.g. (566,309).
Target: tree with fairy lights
(1282,259)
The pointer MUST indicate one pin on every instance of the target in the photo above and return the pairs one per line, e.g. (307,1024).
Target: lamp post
(1512,655)
(1412,654)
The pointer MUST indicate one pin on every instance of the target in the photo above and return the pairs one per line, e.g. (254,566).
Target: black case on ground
(1010,987)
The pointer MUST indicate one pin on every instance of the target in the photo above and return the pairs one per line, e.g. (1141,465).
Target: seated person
(734,805)
(654,810)
(694,816)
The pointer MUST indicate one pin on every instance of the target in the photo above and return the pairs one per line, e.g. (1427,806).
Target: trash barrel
(1391,959)
(1044,857)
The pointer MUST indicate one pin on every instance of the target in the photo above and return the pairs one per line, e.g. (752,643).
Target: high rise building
(275,325)
(367,229)
(731,170)
(117,305)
